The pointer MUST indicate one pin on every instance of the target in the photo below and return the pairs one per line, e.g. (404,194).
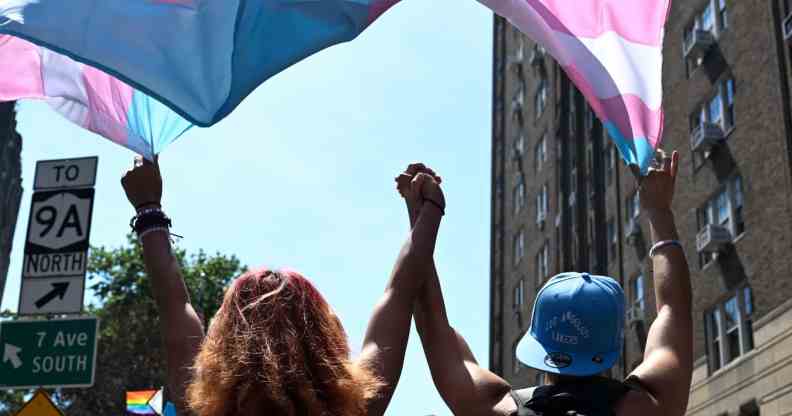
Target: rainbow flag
(141,72)
(612,51)
(137,402)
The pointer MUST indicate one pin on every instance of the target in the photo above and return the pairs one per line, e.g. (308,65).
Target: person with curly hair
(275,347)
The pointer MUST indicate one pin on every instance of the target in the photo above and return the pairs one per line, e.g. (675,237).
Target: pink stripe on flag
(109,100)
(20,64)
(591,18)
(628,112)
(379,7)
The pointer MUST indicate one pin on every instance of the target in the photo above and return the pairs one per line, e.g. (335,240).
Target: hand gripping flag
(200,58)
(612,51)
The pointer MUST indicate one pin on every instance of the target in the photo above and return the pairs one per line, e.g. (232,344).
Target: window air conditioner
(540,220)
(698,44)
(788,27)
(705,137)
(713,238)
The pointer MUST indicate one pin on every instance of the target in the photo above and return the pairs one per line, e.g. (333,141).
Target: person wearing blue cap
(576,333)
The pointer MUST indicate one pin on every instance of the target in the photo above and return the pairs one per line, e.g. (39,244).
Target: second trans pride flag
(140,72)
(612,51)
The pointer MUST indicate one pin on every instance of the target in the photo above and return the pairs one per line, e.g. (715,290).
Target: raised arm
(389,328)
(180,326)
(668,360)
(466,387)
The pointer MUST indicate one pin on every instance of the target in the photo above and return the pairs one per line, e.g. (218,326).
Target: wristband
(660,244)
(152,230)
(138,207)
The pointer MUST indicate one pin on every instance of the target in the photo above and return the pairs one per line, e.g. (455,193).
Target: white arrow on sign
(11,353)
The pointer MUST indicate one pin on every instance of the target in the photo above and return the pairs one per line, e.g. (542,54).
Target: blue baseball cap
(577,326)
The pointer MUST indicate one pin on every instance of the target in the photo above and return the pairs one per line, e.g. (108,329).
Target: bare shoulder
(494,394)
(637,402)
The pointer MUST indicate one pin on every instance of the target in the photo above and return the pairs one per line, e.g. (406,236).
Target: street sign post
(54,353)
(56,249)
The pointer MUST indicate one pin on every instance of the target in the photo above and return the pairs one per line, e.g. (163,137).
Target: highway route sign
(56,248)
(51,353)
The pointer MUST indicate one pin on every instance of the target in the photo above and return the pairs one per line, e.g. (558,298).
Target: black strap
(596,396)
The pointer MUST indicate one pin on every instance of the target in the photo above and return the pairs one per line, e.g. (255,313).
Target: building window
(713,18)
(519,295)
(729,328)
(723,15)
(540,100)
(610,164)
(542,268)
(519,144)
(519,195)
(632,208)
(637,292)
(519,246)
(540,154)
(718,109)
(541,204)
(725,208)
(612,238)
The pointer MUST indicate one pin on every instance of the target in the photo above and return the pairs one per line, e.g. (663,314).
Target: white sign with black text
(59,226)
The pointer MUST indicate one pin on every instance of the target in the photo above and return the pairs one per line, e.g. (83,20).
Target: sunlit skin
(665,374)
(275,346)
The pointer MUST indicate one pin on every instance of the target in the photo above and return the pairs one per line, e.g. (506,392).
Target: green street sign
(53,353)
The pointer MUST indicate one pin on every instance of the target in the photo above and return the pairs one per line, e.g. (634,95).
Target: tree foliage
(130,352)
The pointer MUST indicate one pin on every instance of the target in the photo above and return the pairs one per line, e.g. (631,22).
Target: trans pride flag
(612,51)
(155,67)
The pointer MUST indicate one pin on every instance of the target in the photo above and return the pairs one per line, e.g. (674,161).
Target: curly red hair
(275,347)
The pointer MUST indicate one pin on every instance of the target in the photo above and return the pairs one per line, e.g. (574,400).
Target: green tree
(130,355)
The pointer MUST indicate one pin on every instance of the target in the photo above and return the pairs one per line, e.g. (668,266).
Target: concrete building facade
(563,200)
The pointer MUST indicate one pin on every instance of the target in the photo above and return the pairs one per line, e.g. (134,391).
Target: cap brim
(533,354)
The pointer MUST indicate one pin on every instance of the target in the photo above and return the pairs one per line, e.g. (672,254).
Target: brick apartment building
(563,200)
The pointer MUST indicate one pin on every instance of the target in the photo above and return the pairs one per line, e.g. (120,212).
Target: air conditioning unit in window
(698,44)
(713,238)
(788,27)
(706,137)
(635,314)
(632,231)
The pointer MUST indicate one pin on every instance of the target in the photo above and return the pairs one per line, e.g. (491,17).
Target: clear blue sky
(301,175)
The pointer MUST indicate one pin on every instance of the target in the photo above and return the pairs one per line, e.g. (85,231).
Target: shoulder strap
(521,398)
(595,397)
